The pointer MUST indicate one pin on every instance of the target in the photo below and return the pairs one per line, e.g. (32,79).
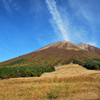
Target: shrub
(12,74)
(51,96)
(6,77)
(17,75)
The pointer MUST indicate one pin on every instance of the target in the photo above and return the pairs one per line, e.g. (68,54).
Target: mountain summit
(62,45)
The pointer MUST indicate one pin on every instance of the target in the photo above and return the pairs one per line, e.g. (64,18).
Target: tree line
(89,64)
(14,72)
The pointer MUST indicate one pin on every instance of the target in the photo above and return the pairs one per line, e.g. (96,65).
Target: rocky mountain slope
(88,47)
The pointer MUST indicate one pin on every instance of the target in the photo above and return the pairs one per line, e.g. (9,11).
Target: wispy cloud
(83,10)
(7,6)
(86,14)
(35,6)
(41,42)
(93,44)
(57,19)
(15,5)
(10,5)
(74,21)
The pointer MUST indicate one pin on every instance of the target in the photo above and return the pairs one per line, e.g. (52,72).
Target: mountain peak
(62,45)
(65,42)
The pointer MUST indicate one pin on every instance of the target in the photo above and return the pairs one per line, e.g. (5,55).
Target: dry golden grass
(71,82)
(69,71)
(64,88)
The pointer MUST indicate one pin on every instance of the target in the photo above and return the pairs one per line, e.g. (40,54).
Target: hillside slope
(53,54)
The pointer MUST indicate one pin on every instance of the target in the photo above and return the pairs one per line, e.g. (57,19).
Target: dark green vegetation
(89,64)
(11,72)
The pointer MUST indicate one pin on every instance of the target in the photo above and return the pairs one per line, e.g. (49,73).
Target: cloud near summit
(56,17)
(73,21)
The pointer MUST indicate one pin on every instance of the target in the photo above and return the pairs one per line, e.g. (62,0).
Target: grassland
(69,70)
(63,88)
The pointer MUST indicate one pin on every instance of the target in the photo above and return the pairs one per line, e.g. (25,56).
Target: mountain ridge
(68,46)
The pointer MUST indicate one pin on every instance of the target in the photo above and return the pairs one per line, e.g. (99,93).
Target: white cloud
(73,21)
(56,16)
(93,44)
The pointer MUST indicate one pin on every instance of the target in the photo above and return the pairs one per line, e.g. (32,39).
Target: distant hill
(57,53)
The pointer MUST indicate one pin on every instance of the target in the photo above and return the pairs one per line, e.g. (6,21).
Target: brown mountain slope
(51,55)
(88,47)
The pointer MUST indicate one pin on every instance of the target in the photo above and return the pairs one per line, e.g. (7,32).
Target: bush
(92,66)
(12,74)
(17,75)
(6,77)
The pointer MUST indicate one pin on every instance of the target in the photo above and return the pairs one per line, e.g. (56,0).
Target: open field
(69,88)
(83,87)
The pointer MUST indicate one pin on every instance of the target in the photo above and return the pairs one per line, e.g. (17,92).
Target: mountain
(70,46)
(57,53)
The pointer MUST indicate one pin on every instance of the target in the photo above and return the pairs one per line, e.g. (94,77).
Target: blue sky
(27,25)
